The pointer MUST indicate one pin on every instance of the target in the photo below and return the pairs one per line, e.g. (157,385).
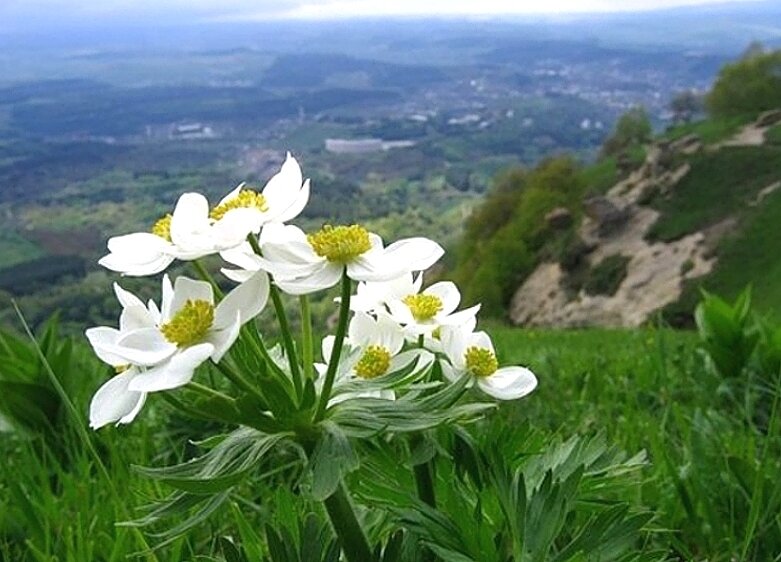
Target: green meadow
(652,444)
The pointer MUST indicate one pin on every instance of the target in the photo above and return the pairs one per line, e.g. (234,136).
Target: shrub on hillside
(606,277)
(751,85)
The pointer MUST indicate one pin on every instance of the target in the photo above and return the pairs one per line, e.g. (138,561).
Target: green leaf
(333,457)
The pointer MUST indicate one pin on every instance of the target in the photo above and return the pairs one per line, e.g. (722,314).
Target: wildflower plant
(402,361)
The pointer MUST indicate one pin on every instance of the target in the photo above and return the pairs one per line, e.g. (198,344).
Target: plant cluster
(400,363)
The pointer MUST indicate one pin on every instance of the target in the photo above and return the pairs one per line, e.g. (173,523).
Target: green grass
(751,256)
(773,135)
(710,130)
(720,184)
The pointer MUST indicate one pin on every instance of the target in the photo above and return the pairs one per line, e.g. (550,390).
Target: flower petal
(102,339)
(135,317)
(283,187)
(223,338)
(190,222)
(326,276)
(413,254)
(115,402)
(508,383)
(175,372)
(298,204)
(247,300)
(447,292)
(145,347)
(189,289)
(126,298)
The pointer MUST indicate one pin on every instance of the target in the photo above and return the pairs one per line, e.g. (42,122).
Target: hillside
(618,244)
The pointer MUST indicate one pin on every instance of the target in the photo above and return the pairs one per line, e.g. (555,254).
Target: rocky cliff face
(615,230)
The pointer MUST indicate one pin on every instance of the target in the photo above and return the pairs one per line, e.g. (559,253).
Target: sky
(26,12)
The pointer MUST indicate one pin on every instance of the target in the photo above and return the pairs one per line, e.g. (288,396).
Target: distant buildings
(189,131)
(360,146)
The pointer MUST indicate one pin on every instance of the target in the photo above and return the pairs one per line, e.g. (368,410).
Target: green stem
(336,353)
(237,379)
(424,482)
(206,276)
(287,340)
(208,392)
(307,344)
(284,326)
(342,515)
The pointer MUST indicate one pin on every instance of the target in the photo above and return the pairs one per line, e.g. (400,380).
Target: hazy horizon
(21,15)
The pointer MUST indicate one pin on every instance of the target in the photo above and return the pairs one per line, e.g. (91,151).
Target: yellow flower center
(481,362)
(374,362)
(119,369)
(162,227)
(246,199)
(340,244)
(423,307)
(190,324)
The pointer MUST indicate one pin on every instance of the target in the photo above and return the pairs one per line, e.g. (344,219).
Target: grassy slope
(644,388)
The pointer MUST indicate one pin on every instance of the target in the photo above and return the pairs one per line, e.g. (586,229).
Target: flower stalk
(307,344)
(336,354)
(341,513)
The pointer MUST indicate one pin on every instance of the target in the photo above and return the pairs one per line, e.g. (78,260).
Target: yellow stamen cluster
(423,307)
(119,369)
(162,227)
(340,244)
(481,362)
(190,324)
(246,199)
(374,362)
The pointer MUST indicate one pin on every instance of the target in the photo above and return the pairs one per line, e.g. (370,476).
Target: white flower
(373,348)
(161,348)
(473,353)
(372,296)
(283,199)
(187,234)
(304,264)
(424,312)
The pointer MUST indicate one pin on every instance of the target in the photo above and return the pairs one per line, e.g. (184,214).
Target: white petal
(298,204)
(167,298)
(508,383)
(102,339)
(126,298)
(362,330)
(143,347)
(414,254)
(325,277)
(247,300)
(137,254)
(466,317)
(114,402)
(223,337)
(293,251)
(189,289)
(237,275)
(281,190)
(447,292)
(389,334)
(190,226)
(449,372)
(232,195)
(120,264)
(400,312)
(235,225)
(481,339)
(134,318)
(175,372)
(241,256)
(326,347)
